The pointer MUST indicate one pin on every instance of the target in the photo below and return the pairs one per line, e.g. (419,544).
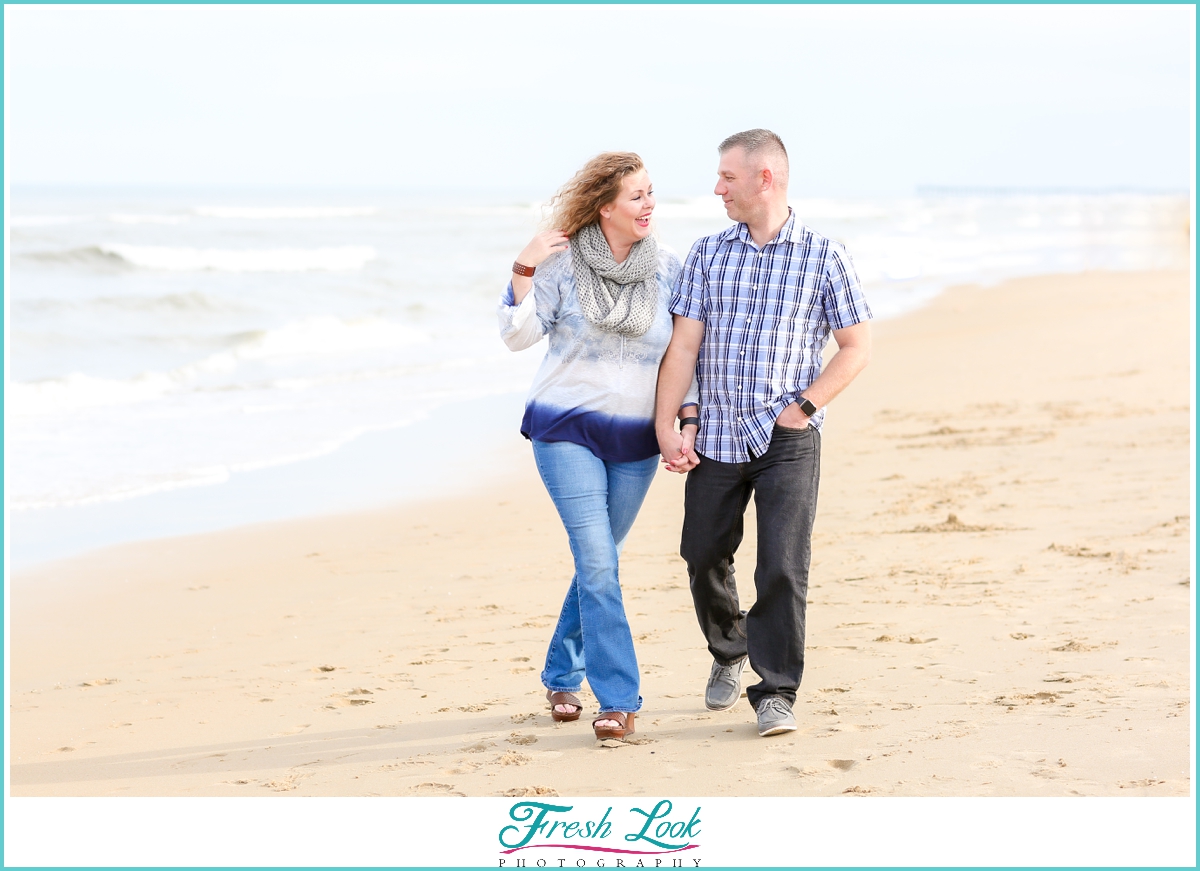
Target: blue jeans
(597,501)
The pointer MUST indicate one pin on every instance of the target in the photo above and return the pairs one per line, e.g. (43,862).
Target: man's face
(739,186)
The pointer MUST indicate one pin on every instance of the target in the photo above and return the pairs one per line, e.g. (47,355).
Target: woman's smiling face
(626,219)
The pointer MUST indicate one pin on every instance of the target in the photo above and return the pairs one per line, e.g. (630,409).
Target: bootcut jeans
(597,501)
(784,482)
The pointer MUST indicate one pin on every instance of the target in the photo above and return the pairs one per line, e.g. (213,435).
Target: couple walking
(729,344)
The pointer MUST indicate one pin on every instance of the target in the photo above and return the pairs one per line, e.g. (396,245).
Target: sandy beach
(1000,605)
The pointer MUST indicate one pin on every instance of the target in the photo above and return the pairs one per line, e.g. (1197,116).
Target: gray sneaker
(774,716)
(724,685)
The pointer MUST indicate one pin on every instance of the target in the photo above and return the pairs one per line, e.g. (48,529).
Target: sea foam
(345,258)
(269,213)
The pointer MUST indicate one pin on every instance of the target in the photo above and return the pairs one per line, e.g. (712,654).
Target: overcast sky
(868,99)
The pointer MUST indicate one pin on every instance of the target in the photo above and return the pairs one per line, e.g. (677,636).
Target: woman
(599,285)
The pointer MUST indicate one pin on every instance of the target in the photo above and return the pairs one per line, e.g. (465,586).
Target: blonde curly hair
(579,201)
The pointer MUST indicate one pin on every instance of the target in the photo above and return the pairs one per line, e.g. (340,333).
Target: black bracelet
(694,421)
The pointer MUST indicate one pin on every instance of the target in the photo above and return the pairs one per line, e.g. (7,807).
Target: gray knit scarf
(618,298)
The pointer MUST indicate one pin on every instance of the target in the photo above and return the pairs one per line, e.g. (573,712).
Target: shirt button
(741,353)
(754,287)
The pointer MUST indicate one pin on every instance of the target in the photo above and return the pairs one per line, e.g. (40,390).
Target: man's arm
(853,355)
(674,377)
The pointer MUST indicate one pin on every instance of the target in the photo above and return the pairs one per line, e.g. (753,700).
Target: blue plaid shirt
(767,315)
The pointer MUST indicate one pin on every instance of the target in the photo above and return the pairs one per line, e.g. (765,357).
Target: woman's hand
(678,449)
(534,254)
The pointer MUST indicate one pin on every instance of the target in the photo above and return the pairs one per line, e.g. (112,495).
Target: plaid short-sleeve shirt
(767,313)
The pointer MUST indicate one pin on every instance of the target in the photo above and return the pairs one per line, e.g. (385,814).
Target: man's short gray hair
(754,140)
(761,141)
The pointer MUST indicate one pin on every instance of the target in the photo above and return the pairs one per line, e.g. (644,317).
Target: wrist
(805,405)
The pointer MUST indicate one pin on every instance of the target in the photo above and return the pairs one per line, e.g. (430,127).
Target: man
(753,310)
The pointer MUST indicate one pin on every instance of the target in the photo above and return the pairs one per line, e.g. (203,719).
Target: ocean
(185,360)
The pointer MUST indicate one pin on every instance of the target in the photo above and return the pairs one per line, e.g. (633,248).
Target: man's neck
(767,228)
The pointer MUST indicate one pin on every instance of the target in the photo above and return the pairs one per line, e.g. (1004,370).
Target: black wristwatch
(806,406)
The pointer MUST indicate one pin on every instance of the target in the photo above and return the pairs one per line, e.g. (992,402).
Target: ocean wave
(324,336)
(347,258)
(267,213)
(202,476)
(46,220)
(78,391)
(121,218)
(313,337)
(80,495)
(90,256)
(192,301)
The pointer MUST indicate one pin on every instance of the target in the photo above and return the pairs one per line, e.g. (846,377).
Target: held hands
(678,449)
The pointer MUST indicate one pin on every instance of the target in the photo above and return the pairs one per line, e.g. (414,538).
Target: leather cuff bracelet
(521,269)
(694,421)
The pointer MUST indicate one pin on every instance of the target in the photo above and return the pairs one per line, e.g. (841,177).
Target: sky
(870,100)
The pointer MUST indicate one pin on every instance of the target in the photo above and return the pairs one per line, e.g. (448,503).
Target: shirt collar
(791,231)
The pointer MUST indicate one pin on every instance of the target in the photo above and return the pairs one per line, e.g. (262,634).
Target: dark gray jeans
(784,482)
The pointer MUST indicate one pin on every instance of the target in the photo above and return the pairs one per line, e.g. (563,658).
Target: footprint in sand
(808,772)
(394,766)
(858,790)
(430,788)
(522,740)
(295,731)
(286,783)
(343,700)
(512,757)
(478,747)
(1074,646)
(842,764)
(522,791)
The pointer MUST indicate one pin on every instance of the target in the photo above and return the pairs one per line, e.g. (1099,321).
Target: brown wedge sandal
(626,729)
(564,699)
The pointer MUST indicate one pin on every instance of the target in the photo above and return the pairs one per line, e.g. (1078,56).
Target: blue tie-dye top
(594,388)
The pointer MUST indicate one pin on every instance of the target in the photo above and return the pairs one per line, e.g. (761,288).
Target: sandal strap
(564,699)
(618,716)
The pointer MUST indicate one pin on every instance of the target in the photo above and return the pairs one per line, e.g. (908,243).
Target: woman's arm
(520,326)
(540,247)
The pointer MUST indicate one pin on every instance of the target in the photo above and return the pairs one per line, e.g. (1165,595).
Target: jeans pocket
(780,429)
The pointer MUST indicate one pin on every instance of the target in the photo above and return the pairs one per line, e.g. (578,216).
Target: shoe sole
(776,730)
(727,707)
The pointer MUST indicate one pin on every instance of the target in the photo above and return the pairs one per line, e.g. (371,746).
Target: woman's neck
(620,248)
